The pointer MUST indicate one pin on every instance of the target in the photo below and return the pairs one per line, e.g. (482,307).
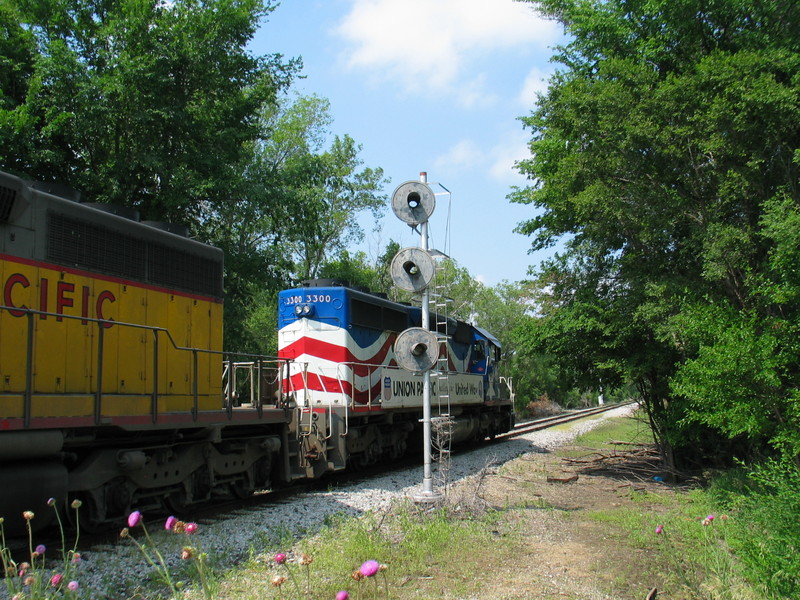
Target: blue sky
(435,86)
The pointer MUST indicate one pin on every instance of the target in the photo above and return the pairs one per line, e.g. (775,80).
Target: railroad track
(544,423)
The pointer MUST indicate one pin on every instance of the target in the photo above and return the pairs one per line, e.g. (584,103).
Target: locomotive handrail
(329,427)
(104,324)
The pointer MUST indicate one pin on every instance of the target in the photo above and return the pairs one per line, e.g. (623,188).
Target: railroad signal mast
(413,269)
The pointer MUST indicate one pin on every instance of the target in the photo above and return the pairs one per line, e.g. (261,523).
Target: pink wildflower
(76,558)
(170,523)
(343,595)
(707,521)
(659,529)
(190,528)
(51,502)
(280,558)
(73,586)
(40,549)
(134,518)
(369,568)
(56,579)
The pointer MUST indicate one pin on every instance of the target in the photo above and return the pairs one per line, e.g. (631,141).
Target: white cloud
(497,161)
(429,45)
(535,83)
(513,148)
(462,156)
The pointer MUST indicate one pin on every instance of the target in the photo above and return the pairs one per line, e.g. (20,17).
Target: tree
(139,102)
(325,220)
(657,153)
(293,210)
(356,270)
(312,195)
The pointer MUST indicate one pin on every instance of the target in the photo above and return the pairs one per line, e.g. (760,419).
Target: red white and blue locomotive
(339,346)
(114,387)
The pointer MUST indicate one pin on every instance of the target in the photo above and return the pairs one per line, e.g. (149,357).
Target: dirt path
(551,543)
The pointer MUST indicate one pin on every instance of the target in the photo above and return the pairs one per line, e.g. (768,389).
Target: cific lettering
(62,298)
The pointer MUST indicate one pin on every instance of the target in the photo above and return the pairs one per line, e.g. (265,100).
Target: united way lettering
(62,298)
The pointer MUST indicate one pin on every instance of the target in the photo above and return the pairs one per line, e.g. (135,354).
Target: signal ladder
(441,425)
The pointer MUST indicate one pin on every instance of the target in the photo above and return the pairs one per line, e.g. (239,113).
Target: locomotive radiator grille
(7,197)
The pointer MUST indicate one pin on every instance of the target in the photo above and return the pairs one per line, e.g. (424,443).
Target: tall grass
(766,538)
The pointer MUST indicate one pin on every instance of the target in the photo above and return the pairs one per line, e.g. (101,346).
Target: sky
(435,86)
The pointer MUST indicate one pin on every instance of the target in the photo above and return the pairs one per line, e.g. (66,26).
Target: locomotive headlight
(304,310)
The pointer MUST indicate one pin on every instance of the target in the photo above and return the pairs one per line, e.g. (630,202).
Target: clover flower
(306,559)
(51,502)
(278,580)
(76,558)
(40,549)
(76,504)
(659,529)
(280,558)
(707,521)
(342,595)
(134,519)
(187,552)
(169,524)
(73,586)
(357,575)
(56,579)
(369,568)
(28,515)
(190,528)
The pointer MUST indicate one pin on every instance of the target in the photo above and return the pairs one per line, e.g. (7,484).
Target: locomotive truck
(115,389)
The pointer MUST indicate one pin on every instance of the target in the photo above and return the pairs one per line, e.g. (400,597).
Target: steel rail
(545,422)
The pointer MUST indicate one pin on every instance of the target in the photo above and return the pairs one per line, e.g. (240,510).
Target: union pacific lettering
(410,389)
(61,297)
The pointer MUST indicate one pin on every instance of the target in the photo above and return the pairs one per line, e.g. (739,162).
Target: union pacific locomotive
(115,390)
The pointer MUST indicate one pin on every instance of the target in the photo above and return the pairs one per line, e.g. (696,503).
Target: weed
(189,552)
(32,579)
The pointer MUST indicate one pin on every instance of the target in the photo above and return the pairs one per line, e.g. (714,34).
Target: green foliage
(664,155)
(314,194)
(355,269)
(142,103)
(296,210)
(765,502)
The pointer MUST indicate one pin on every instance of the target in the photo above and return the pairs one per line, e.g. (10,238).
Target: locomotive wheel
(177,501)
(86,518)
(240,490)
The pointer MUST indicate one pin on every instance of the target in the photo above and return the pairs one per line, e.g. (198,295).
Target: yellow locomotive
(111,362)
